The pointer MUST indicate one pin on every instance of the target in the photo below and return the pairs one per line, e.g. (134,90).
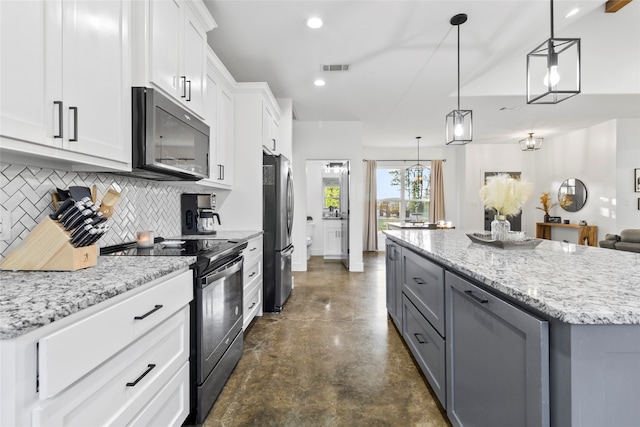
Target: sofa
(628,240)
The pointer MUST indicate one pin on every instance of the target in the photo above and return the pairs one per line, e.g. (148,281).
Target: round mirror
(572,195)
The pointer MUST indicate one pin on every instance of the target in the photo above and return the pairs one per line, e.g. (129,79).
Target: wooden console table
(587,234)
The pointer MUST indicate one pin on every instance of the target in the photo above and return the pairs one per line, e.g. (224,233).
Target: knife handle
(61,208)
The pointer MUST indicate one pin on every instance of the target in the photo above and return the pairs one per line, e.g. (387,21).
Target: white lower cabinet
(252,290)
(116,392)
(332,239)
(124,361)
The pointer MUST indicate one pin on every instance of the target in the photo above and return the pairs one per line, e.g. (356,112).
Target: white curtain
(436,207)
(370,210)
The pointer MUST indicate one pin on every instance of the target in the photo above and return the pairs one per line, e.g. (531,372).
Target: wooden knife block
(48,247)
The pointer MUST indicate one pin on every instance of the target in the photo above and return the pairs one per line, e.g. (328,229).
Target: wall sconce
(553,70)
(531,143)
(459,123)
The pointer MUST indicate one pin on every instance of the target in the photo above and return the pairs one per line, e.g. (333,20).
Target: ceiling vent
(336,67)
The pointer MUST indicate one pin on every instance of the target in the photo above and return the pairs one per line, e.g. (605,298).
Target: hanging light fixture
(459,124)
(530,143)
(417,171)
(553,70)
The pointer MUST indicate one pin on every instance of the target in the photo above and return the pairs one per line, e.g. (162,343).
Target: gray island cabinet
(549,336)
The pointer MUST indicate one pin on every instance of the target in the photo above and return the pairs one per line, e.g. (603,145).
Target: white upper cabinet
(219,112)
(96,80)
(175,45)
(66,82)
(270,129)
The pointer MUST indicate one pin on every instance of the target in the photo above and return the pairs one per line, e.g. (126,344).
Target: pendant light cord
(459,65)
(552,19)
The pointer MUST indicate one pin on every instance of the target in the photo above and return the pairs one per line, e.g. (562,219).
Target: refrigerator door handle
(287,252)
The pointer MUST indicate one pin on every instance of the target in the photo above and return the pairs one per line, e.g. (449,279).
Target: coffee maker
(197,213)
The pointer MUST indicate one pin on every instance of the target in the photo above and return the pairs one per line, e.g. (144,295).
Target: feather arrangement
(505,194)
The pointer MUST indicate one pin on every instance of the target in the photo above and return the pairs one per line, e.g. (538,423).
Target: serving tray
(485,239)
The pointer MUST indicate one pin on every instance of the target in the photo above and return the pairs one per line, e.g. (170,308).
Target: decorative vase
(500,228)
(546,217)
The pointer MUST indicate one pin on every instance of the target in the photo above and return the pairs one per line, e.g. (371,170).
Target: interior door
(344,214)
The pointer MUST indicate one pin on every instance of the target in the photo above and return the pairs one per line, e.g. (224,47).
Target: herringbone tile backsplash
(25,192)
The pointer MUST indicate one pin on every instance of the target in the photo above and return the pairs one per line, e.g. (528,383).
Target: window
(331,191)
(403,194)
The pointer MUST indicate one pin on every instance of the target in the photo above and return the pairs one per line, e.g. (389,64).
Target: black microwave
(169,143)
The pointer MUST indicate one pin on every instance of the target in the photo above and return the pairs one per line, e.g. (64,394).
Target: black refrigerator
(277,214)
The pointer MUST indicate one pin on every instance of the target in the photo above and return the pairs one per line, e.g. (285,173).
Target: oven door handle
(226,270)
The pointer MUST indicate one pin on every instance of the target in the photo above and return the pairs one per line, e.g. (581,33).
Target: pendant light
(418,173)
(530,143)
(459,124)
(553,70)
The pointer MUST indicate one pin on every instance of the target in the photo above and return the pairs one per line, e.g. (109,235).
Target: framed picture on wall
(637,180)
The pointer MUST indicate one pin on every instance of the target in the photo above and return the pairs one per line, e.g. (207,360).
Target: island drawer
(427,346)
(423,283)
(67,355)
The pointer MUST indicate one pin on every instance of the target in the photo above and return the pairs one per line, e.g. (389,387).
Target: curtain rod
(401,160)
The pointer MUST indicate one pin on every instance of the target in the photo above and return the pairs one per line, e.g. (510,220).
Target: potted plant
(545,201)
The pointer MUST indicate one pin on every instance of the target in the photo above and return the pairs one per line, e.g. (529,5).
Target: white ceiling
(403,58)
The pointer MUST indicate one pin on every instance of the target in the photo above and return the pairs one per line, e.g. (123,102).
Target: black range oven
(216,312)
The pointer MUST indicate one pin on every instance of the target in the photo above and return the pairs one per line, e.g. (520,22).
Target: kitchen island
(577,317)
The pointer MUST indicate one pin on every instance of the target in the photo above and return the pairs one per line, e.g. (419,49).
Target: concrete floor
(331,358)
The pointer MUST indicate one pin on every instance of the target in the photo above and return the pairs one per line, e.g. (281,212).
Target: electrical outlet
(5,224)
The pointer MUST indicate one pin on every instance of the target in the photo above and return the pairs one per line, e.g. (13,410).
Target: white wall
(627,159)
(590,156)
(314,203)
(602,156)
(507,157)
(327,141)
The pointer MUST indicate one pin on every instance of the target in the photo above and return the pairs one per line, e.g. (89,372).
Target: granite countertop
(572,283)
(31,299)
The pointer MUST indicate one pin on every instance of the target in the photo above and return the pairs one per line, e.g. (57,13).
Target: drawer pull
(419,281)
(252,274)
(150,366)
(420,338)
(252,249)
(252,305)
(478,299)
(149,313)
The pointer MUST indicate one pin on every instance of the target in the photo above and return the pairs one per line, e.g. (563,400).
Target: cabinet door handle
(419,281)
(252,249)
(75,123)
(60,107)
(420,338)
(149,313)
(274,144)
(478,299)
(189,96)
(252,274)
(184,86)
(252,305)
(150,366)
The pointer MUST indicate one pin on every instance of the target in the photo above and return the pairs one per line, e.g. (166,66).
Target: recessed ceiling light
(572,12)
(319,82)
(314,23)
